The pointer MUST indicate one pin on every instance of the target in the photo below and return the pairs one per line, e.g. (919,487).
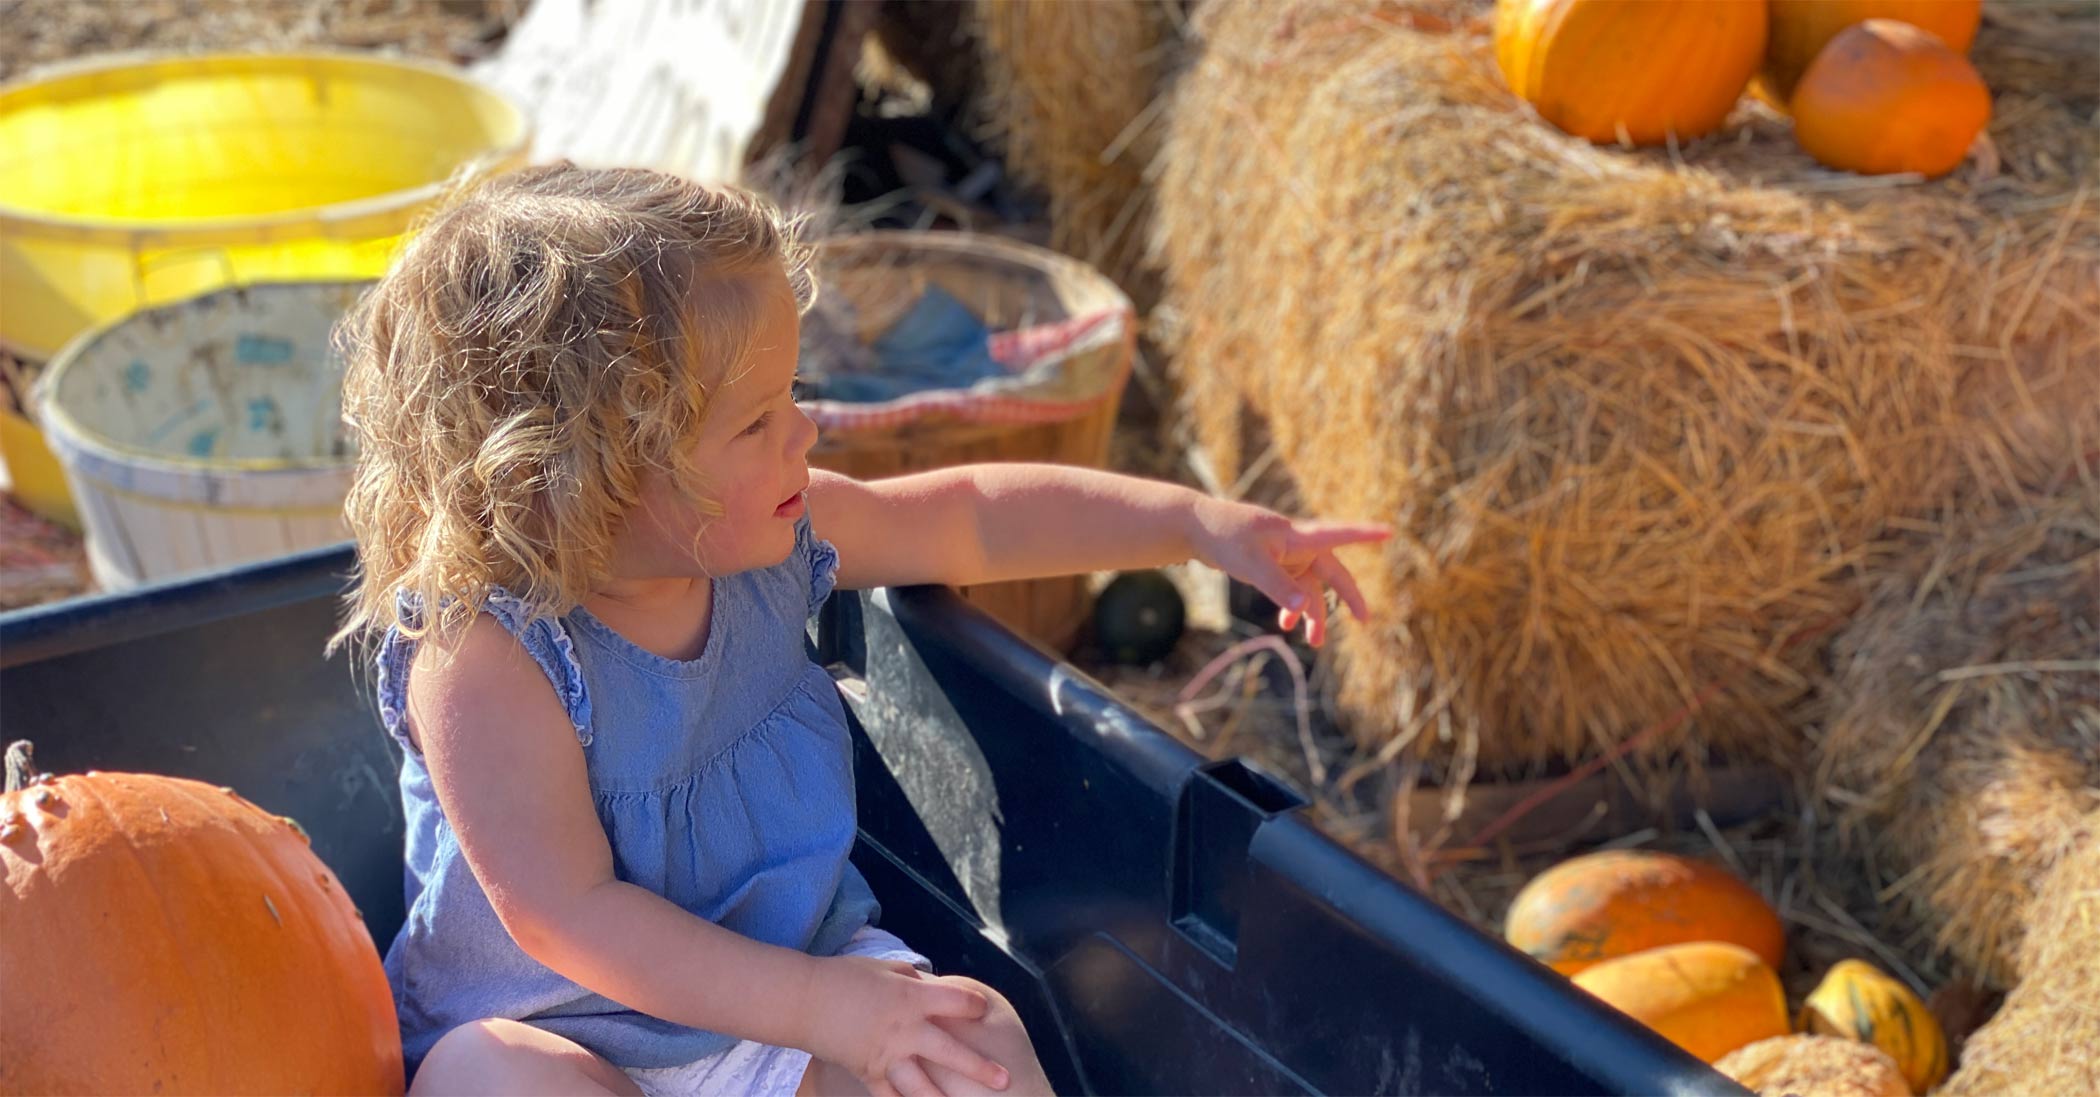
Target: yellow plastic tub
(33,473)
(132,183)
(129,183)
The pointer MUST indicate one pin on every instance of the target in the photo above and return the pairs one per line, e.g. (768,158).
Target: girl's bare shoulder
(472,683)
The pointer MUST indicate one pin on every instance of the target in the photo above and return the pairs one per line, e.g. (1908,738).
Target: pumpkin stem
(21,768)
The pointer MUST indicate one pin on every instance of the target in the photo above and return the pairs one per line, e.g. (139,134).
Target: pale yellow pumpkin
(1707,997)
(1859,1001)
(1597,906)
(1643,70)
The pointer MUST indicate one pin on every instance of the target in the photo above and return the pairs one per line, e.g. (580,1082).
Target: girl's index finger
(1323,536)
(942,1000)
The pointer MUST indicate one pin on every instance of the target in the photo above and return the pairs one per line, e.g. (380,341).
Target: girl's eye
(758,425)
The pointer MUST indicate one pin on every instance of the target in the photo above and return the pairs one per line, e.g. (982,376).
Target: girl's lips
(790,508)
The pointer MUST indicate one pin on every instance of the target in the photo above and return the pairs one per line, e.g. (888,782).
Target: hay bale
(1638,416)
(1069,91)
(1814,1066)
(2046,1038)
(1963,747)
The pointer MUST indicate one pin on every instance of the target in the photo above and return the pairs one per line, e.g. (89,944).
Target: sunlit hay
(1963,747)
(1069,92)
(2046,1038)
(1640,417)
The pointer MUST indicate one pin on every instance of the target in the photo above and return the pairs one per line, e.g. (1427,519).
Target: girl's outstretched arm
(990,523)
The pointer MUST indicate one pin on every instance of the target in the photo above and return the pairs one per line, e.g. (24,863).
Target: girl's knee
(495,1055)
(1000,1037)
(999,1011)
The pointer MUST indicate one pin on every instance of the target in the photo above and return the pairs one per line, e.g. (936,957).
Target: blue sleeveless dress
(724,784)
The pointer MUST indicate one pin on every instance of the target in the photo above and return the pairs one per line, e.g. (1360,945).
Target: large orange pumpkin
(1886,97)
(1647,68)
(1801,28)
(159,935)
(1707,997)
(1598,906)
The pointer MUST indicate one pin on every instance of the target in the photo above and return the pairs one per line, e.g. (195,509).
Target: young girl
(589,540)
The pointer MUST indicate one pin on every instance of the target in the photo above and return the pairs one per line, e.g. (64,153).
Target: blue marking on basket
(202,442)
(250,349)
(137,378)
(262,413)
(167,426)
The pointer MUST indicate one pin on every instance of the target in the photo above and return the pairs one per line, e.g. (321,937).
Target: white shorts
(762,1070)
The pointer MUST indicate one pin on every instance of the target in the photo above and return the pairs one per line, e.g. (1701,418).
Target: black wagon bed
(1164,923)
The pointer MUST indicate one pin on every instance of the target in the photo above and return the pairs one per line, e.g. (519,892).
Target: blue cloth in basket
(939,344)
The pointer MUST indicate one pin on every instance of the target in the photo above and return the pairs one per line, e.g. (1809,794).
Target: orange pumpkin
(1647,68)
(162,935)
(1593,908)
(1801,28)
(1886,97)
(1707,997)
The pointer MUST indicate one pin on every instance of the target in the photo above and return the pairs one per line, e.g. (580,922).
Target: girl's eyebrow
(760,406)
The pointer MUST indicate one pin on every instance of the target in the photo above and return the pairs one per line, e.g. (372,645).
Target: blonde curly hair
(546,337)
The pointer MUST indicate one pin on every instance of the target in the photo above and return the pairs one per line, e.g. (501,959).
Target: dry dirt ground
(41,32)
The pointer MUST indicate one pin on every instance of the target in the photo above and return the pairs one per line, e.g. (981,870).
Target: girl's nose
(805,438)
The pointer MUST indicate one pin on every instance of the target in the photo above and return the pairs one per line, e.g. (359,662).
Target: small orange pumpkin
(1647,68)
(1598,906)
(1801,28)
(1707,997)
(161,935)
(1886,97)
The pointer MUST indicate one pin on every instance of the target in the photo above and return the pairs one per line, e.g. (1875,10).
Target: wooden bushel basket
(1067,420)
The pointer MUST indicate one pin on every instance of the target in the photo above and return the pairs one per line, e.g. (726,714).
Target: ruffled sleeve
(545,640)
(391,683)
(821,559)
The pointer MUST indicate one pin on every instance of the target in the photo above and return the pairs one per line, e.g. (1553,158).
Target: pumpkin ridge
(291,912)
(227,830)
(266,851)
(113,819)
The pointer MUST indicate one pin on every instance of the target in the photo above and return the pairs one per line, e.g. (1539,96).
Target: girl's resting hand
(1290,561)
(877,1018)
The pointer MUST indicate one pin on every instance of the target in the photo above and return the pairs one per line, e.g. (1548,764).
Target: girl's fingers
(944,1000)
(1331,572)
(1316,623)
(911,1080)
(879,1087)
(1311,602)
(1326,536)
(1268,577)
(941,1048)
